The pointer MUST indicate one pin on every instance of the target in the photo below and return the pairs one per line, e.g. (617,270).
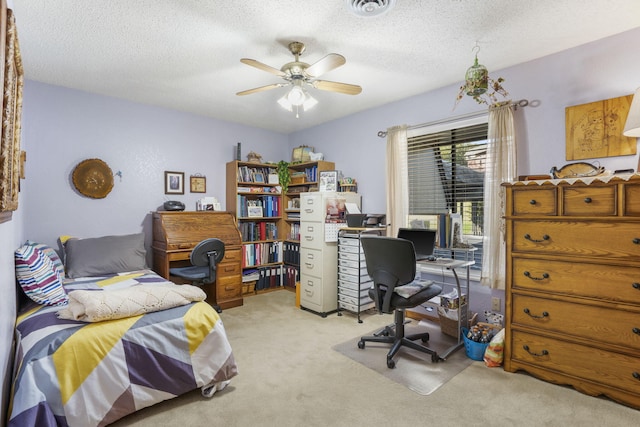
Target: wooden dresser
(175,234)
(573,285)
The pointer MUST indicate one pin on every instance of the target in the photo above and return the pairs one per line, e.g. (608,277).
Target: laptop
(424,241)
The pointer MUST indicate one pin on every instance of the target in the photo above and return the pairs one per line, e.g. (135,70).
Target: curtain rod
(515,105)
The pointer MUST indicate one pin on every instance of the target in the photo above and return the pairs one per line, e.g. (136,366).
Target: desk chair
(204,261)
(391,263)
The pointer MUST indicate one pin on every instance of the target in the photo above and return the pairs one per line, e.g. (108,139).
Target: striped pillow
(38,276)
(51,253)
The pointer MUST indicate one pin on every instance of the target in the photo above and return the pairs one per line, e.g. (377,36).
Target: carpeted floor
(289,375)
(414,369)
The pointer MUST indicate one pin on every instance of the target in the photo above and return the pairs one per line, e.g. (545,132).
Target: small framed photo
(254,211)
(258,177)
(328,181)
(198,184)
(173,182)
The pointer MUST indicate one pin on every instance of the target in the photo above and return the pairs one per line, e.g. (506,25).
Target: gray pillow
(104,255)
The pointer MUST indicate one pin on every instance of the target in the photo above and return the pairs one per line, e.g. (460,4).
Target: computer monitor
(424,241)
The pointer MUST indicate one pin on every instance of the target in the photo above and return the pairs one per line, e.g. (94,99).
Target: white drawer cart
(353,280)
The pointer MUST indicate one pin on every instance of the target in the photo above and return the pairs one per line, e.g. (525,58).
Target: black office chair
(204,261)
(391,263)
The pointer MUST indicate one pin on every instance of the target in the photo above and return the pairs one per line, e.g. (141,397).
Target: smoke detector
(370,7)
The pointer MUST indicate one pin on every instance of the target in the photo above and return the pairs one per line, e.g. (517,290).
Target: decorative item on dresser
(573,284)
(175,234)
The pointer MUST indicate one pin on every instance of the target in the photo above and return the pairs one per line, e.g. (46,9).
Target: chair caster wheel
(391,363)
(361,344)
(425,339)
(435,358)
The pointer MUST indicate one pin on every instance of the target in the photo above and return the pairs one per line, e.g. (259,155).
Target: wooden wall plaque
(595,129)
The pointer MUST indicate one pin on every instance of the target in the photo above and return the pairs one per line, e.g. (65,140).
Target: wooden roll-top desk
(175,234)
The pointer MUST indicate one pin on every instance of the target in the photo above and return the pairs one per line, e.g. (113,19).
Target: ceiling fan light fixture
(309,103)
(284,103)
(296,95)
(369,8)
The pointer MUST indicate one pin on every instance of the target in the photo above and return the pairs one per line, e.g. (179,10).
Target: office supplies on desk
(424,241)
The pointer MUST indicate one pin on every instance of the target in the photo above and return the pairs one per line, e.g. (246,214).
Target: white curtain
(501,167)
(397,179)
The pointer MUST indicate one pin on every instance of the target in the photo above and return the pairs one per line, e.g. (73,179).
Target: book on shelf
(449,230)
(256,254)
(254,173)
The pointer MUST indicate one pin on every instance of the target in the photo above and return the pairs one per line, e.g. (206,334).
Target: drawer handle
(587,200)
(544,276)
(544,314)
(542,353)
(532,202)
(308,238)
(636,241)
(636,375)
(545,237)
(636,331)
(636,286)
(308,264)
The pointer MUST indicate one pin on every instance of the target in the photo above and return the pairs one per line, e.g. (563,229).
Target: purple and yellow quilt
(71,373)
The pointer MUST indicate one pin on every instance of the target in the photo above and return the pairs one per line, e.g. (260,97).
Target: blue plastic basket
(475,350)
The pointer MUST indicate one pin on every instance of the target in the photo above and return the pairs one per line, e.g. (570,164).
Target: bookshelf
(269,221)
(253,195)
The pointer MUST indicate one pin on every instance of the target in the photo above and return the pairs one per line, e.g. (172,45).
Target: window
(446,176)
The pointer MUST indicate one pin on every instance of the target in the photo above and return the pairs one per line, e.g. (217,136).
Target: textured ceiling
(185,54)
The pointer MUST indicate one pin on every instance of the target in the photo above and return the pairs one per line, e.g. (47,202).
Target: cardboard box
(452,300)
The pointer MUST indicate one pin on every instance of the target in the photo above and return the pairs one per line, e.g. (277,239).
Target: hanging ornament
(479,85)
(477,77)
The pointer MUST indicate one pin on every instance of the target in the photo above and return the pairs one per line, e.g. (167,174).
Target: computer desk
(453,265)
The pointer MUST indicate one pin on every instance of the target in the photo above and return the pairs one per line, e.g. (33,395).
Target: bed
(92,366)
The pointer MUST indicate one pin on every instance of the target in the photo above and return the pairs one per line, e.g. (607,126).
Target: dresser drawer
(605,282)
(602,325)
(232,255)
(607,239)
(312,235)
(632,200)
(591,363)
(589,201)
(226,269)
(534,201)
(311,261)
(229,287)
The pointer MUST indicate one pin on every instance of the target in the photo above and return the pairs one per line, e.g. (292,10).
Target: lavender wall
(63,127)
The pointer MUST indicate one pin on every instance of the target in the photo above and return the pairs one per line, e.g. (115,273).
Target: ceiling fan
(299,75)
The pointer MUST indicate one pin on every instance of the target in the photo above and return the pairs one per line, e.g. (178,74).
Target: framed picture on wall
(173,182)
(198,184)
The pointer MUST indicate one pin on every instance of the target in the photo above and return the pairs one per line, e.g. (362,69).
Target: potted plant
(284,175)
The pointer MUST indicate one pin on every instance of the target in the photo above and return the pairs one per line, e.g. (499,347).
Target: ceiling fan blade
(264,67)
(261,88)
(337,87)
(326,64)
